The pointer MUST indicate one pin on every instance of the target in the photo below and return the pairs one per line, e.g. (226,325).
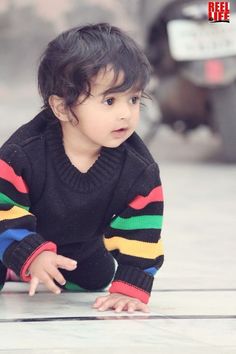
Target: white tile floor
(193,305)
(179,321)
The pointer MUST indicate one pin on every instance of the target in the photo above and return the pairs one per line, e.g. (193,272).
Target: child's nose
(124,112)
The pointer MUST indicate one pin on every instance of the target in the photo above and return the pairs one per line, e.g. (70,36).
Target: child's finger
(119,306)
(49,283)
(131,307)
(66,263)
(56,274)
(142,307)
(33,286)
(108,304)
(99,301)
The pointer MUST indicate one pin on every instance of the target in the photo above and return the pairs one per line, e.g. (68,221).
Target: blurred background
(189,125)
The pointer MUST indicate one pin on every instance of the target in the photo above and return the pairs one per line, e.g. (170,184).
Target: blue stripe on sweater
(151,271)
(9,236)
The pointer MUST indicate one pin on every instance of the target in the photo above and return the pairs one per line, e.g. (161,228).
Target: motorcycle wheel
(223,108)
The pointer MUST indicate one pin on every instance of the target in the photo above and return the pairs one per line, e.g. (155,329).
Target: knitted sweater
(46,203)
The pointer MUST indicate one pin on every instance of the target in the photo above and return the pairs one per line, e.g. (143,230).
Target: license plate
(190,40)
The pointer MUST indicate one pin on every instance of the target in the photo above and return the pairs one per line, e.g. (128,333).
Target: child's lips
(121,129)
(119,133)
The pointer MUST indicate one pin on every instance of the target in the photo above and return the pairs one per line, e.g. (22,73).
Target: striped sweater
(46,204)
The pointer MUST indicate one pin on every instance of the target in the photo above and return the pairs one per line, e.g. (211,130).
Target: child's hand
(44,268)
(119,303)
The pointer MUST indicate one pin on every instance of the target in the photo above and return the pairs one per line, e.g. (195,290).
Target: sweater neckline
(103,169)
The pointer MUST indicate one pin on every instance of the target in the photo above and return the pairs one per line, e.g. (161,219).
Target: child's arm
(20,244)
(134,239)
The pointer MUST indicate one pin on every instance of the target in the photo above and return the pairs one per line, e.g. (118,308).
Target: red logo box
(218,11)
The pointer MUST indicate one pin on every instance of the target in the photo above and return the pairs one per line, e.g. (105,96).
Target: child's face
(107,120)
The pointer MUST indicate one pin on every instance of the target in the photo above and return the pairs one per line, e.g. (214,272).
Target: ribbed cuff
(133,282)
(18,253)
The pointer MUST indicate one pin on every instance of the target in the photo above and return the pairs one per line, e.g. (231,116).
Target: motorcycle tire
(223,109)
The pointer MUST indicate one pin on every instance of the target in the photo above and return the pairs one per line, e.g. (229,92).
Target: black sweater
(46,203)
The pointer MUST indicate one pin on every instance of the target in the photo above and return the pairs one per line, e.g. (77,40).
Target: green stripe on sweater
(73,287)
(6,200)
(138,222)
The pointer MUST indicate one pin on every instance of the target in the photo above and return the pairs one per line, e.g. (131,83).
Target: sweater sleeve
(19,241)
(134,237)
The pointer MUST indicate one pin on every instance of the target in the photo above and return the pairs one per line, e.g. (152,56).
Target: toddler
(78,187)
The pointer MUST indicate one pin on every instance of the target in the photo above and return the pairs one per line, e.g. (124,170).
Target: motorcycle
(195,62)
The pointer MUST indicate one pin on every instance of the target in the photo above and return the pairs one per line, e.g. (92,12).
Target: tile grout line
(124,317)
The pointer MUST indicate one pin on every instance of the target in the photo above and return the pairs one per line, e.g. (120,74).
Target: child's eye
(109,101)
(135,99)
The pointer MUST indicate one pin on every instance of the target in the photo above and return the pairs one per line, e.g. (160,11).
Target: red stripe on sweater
(129,290)
(7,173)
(140,201)
(47,246)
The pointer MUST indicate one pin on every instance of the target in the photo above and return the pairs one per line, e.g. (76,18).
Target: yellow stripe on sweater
(134,248)
(13,213)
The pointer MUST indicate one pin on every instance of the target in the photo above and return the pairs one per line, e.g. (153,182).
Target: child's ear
(57,105)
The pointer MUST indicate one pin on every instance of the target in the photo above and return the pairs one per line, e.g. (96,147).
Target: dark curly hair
(76,55)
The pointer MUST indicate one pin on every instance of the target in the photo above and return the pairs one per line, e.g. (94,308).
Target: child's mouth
(120,130)
(119,133)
